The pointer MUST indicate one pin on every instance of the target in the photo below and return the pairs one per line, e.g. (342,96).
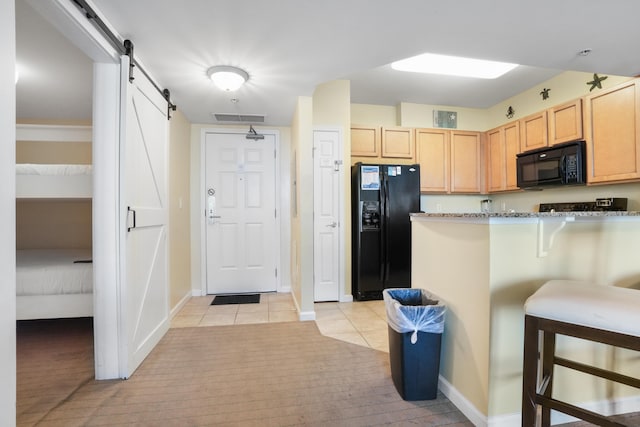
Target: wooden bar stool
(603,314)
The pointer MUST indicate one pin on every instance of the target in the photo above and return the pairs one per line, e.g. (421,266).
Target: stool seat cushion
(587,304)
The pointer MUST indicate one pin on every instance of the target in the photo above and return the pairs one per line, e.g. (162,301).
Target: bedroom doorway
(123,329)
(242,226)
(54,157)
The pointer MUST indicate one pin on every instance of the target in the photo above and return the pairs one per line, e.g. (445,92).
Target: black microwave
(562,164)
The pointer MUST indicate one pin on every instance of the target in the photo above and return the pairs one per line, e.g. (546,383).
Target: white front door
(240,213)
(144,286)
(327,149)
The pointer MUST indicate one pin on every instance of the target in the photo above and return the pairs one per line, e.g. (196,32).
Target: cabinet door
(432,152)
(365,141)
(533,131)
(465,162)
(398,143)
(511,150)
(613,134)
(495,160)
(565,122)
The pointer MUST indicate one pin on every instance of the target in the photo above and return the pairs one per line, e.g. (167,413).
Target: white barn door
(144,315)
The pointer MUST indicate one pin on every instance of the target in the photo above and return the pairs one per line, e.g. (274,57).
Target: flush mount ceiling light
(453,66)
(227,78)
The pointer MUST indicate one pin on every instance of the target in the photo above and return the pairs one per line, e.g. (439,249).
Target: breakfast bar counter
(536,215)
(483,267)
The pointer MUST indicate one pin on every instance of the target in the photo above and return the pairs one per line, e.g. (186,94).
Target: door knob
(333,224)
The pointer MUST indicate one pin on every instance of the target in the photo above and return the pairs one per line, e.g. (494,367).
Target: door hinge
(275,213)
(276,272)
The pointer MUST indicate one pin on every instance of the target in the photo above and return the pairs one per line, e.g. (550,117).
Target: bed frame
(31,307)
(39,186)
(42,186)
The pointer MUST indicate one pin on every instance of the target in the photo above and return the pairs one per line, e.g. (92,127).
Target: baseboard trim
(306,316)
(605,407)
(459,401)
(175,310)
(346,298)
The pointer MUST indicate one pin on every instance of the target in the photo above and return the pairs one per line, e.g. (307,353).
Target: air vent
(239,118)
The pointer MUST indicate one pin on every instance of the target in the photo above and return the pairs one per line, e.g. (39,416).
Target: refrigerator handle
(384,273)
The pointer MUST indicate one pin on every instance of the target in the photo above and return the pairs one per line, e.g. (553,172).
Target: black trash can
(415,323)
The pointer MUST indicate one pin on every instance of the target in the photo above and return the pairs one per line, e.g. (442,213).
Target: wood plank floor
(240,372)
(269,374)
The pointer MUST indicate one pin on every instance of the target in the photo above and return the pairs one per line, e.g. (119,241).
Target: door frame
(201,203)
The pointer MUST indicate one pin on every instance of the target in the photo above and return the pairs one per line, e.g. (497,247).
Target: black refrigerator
(383,196)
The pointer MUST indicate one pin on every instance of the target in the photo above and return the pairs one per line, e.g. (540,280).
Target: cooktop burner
(605,204)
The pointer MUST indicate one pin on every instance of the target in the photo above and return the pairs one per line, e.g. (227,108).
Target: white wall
(373,115)
(529,201)
(332,109)
(484,271)
(421,115)
(564,87)
(7,215)
(303,136)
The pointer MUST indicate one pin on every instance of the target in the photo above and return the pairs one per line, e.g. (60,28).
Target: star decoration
(510,112)
(545,93)
(596,82)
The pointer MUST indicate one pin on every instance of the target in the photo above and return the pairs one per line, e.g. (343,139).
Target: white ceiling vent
(239,118)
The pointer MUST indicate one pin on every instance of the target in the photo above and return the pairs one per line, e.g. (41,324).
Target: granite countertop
(527,214)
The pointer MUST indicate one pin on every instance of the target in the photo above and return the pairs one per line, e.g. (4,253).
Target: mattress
(53,271)
(37,181)
(52,170)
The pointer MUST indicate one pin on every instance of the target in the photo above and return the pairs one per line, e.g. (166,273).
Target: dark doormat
(236,299)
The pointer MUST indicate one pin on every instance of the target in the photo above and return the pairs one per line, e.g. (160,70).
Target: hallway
(361,322)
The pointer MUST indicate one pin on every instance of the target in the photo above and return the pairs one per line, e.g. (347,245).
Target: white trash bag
(413,310)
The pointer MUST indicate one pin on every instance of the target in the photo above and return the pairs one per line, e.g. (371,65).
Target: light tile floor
(361,322)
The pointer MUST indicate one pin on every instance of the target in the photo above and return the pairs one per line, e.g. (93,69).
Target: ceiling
(289,47)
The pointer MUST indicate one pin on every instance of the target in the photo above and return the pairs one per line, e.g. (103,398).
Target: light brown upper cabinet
(496,171)
(612,128)
(533,131)
(503,144)
(512,149)
(365,141)
(565,122)
(465,162)
(449,161)
(397,142)
(387,145)
(432,154)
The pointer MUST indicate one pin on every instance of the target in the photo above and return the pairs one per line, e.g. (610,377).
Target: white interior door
(327,149)
(144,286)
(240,214)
